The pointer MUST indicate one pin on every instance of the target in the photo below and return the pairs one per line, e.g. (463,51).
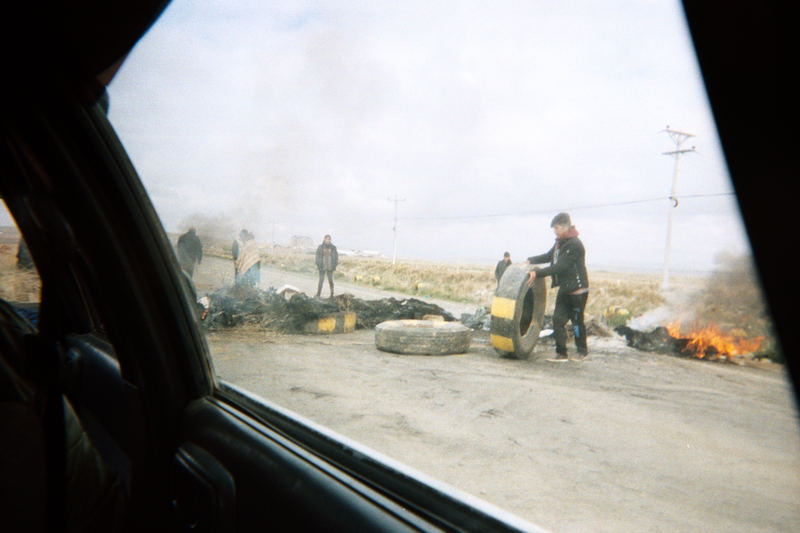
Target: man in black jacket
(327,258)
(190,251)
(567,260)
(501,267)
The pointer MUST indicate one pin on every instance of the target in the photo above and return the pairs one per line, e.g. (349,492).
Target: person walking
(327,258)
(567,269)
(501,267)
(246,260)
(190,251)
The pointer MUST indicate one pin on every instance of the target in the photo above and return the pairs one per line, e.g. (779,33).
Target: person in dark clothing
(567,269)
(24,260)
(327,258)
(501,267)
(190,251)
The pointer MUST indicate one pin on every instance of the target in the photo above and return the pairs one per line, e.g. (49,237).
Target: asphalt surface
(623,441)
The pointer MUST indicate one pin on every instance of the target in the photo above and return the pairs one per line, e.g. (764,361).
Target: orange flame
(711,339)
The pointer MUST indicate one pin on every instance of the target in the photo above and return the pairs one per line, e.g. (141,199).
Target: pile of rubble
(481,319)
(289,311)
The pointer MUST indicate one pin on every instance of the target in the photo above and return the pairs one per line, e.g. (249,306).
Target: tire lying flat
(517,313)
(422,337)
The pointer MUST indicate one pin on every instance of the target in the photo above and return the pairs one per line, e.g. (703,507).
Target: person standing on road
(246,260)
(190,251)
(501,267)
(567,269)
(24,259)
(327,258)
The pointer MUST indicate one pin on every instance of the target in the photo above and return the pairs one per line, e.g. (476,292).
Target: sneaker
(581,356)
(559,358)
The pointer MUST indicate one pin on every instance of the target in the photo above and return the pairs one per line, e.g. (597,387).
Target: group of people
(567,269)
(247,258)
(566,258)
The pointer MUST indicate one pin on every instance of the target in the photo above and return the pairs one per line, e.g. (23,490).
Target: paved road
(624,441)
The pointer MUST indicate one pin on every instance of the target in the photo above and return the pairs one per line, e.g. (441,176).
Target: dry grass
(731,298)
(475,284)
(17,285)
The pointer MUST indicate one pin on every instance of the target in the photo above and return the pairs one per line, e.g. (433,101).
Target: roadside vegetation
(16,285)
(730,298)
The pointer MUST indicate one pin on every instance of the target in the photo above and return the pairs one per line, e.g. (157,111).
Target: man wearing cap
(567,269)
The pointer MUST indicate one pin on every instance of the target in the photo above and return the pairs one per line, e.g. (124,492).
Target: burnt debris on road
(233,306)
(709,343)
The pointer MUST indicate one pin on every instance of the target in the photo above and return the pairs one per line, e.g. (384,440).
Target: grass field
(475,284)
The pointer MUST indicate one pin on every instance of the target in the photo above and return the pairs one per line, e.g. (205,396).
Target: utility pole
(396,200)
(678,137)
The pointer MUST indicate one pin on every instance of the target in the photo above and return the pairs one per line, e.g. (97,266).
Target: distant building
(301,242)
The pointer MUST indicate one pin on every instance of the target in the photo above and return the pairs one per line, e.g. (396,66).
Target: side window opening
(19,279)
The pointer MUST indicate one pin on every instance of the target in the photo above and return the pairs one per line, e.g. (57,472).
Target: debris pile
(287,312)
(657,340)
(481,319)
(708,343)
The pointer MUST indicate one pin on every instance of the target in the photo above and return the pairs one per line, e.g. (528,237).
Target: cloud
(308,117)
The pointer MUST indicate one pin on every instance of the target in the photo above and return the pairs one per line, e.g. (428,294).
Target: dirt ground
(623,441)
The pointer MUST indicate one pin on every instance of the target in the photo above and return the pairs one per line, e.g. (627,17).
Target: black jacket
(190,248)
(567,260)
(321,255)
(500,268)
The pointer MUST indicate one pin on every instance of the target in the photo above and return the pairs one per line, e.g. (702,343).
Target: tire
(517,313)
(422,337)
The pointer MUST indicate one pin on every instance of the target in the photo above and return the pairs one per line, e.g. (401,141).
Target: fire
(710,341)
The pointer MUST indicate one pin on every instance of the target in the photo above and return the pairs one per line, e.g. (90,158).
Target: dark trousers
(322,278)
(570,307)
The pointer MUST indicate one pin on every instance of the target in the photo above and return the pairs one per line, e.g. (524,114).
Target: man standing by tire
(327,258)
(501,267)
(567,268)
(190,251)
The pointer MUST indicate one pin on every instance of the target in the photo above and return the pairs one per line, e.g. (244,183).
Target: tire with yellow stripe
(517,312)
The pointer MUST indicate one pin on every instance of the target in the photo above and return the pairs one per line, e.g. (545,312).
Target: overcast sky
(485,118)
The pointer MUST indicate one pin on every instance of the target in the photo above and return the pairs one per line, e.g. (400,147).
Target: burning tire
(422,337)
(517,313)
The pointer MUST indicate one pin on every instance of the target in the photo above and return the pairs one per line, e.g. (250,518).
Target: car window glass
(19,280)
(321,170)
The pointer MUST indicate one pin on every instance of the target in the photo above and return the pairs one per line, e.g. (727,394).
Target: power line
(396,200)
(572,208)
(678,137)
